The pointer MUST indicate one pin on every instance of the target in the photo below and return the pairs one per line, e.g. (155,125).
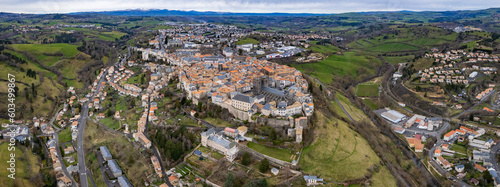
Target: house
(474,181)
(444,162)
(459,168)
(174,180)
(230,132)
(437,153)
(242,130)
(105,153)
(450,135)
(156,165)
(312,180)
(479,167)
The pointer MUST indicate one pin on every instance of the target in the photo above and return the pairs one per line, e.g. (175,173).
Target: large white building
(217,141)
(393,116)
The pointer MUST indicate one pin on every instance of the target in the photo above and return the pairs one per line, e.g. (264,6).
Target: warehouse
(393,116)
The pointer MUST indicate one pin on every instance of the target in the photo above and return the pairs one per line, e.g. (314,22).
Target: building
(124,182)
(214,140)
(242,102)
(450,135)
(157,166)
(312,180)
(115,169)
(230,132)
(105,153)
(393,116)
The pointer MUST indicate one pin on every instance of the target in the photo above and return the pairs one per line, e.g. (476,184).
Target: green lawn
(282,154)
(217,155)
(459,148)
(347,64)
(111,123)
(368,102)
(65,135)
(367,90)
(246,41)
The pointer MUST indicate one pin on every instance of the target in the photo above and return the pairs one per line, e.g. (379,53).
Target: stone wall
(273,122)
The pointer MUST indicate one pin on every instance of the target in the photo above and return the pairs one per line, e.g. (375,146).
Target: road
(153,147)
(343,109)
(493,156)
(63,167)
(82,169)
(492,93)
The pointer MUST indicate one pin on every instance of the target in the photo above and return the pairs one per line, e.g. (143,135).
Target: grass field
(218,122)
(21,166)
(65,135)
(282,154)
(393,47)
(338,153)
(246,41)
(372,105)
(111,123)
(348,64)
(132,162)
(367,90)
(353,111)
(324,49)
(38,50)
(398,59)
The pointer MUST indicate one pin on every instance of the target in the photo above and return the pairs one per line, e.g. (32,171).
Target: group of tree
(174,142)
(31,73)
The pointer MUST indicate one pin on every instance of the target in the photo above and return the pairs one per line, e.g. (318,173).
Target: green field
(132,162)
(111,123)
(398,59)
(65,135)
(393,47)
(217,122)
(281,154)
(22,172)
(368,102)
(367,90)
(338,153)
(38,50)
(347,64)
(353,111)
(324,49)
(246,41)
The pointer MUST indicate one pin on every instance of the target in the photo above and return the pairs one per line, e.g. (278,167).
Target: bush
(264,165)
(246,159)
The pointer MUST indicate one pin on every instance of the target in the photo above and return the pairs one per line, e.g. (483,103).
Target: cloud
(257,6)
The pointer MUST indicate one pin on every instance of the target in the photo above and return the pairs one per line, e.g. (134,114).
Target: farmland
(347,64)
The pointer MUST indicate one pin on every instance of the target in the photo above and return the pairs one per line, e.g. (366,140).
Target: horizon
(243,6)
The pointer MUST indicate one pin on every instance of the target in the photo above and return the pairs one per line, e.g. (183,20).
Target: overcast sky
(257,6)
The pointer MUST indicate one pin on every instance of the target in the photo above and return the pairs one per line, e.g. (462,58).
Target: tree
(200,105)
(246,159)
(321,87)
(487,176)
(264,165)
(229,180)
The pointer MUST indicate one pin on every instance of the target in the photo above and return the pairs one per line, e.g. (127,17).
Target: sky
(254,6)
